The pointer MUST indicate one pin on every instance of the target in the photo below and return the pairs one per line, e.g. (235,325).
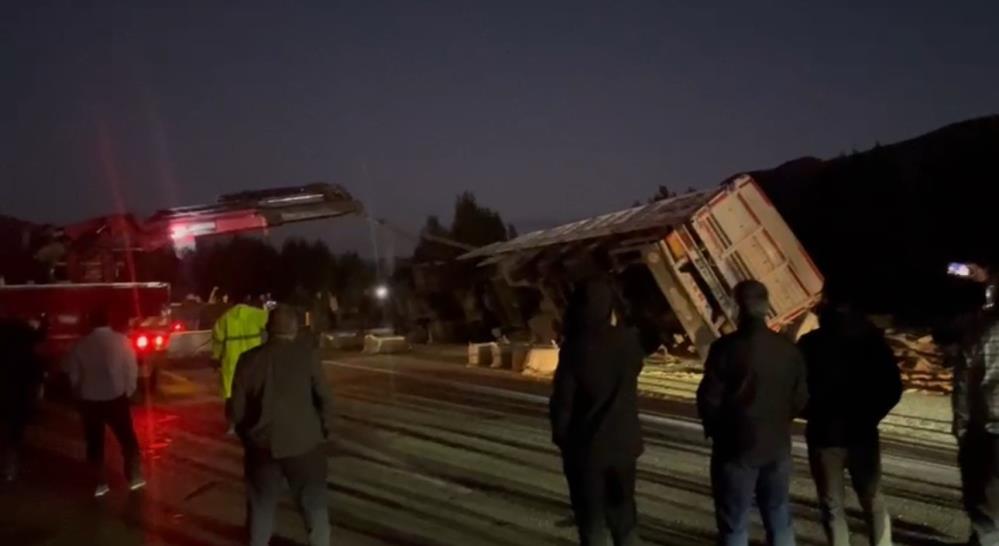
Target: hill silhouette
(885,222)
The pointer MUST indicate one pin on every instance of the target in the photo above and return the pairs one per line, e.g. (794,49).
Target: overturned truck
(675,262)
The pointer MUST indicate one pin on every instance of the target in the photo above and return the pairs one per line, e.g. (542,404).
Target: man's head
(753,299)
(283,322)
(98,318)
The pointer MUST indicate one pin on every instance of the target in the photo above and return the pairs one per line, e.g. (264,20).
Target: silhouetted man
(853,382)
(102,372)
(280,405)
(20,379)
(594,416)
(754,386)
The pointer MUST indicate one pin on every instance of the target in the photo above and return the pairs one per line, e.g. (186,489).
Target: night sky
(548,111)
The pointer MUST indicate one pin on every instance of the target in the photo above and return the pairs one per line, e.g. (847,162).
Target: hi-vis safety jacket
(238,330)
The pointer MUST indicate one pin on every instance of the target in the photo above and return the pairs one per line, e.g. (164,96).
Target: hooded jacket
(594,402)
(853,380)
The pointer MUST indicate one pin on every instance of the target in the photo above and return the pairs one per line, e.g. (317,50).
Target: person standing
(281,404)
(102,372)
(594,416)
(20,380)
(853,383)
(238,330)
(754,386)
(976,422)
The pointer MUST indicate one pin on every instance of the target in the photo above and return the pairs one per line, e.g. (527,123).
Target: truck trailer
(675,261)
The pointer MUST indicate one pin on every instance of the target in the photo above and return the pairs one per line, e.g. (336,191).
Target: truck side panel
(747,238)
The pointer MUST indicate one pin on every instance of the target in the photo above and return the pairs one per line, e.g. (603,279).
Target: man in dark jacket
(594,416)
(20,379)
(280,406)
(754,386)
(853,382)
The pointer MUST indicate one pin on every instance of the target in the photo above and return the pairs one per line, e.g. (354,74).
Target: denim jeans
(306,475)
(735,483)
(829,465)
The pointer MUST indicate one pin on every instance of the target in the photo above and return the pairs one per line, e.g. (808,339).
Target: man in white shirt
(102,371)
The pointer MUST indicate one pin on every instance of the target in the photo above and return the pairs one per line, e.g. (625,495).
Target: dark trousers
(979,461)
(734,484)
(603,502)
(829,465)
(12,426)
(306,475)
(117,415)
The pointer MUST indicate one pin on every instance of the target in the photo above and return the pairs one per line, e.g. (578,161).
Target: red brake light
(177,327)
(158,342)
(142,342)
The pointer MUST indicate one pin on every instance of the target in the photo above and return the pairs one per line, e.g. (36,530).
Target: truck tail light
(158,342)
(142,342)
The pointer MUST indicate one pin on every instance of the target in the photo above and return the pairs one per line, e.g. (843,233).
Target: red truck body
(65,307)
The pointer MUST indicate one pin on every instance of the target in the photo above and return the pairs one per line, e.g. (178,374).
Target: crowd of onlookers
(841,378)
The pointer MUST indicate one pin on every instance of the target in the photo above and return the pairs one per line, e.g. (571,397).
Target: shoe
(101,490)
(137,484)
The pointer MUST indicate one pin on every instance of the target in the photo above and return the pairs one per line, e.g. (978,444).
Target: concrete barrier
(189,344)
(481,354)
(541,360)
(381,345)
(343,341)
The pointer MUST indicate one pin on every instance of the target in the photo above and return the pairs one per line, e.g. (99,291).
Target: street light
(381,292)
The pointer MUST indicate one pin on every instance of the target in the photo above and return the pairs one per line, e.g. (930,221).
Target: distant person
(594,416)
(281,403)
(102,372)
(754,386)
(976,421)
(238,330)
(853,383)
(20,381)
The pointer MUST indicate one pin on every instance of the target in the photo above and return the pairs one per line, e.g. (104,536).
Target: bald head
(753,299)
(283,322)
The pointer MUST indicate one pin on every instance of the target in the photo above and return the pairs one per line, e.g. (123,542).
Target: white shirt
(102,366)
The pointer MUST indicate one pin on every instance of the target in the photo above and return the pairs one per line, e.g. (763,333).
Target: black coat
(754,386)
(853,380)
(21,370)
(281,400)
(594,402)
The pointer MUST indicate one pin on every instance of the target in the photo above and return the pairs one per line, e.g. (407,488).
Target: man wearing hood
(754,386)
(594,415)
(853,382)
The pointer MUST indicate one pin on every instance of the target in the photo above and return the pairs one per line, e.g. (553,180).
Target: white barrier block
(343,341)
(189,343)
(385,345)
(481,354)
(541,360)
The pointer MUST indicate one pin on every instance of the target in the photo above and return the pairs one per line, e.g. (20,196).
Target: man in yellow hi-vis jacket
(238,330)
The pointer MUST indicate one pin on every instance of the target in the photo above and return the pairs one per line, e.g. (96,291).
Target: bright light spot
(381,292)
(178,327)
(142,342)
(158,342)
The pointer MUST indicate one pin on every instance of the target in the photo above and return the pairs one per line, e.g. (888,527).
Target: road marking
(904,465)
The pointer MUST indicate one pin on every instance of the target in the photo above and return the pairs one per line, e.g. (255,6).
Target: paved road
(428,453)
